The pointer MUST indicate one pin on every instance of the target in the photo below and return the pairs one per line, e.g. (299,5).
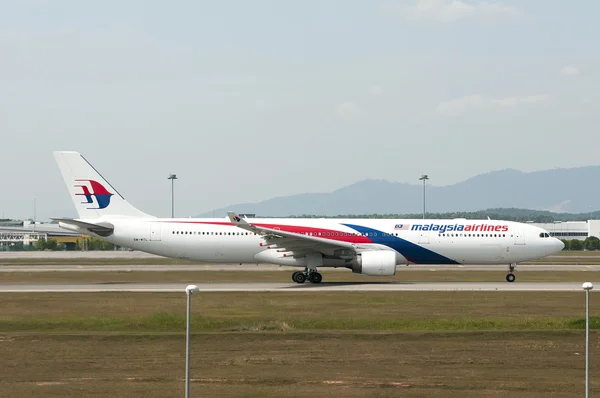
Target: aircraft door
(155,231)
(519,237)
(424,237)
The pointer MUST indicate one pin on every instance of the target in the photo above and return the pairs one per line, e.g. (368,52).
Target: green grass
(172,322)
(298,364)
(323,311)
(355,344)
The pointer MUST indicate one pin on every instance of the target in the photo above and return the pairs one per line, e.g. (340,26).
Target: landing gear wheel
(315,277)
(298,277)
(294,275)
(510,277)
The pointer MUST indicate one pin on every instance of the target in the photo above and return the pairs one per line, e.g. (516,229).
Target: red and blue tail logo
(95,190)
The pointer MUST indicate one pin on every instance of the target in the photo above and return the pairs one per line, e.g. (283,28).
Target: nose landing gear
(510,277)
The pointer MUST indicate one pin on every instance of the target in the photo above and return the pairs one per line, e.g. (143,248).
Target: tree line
(590,243)
(89,244)
(507,214)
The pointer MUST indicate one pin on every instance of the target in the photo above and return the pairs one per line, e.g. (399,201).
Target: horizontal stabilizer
(102,229)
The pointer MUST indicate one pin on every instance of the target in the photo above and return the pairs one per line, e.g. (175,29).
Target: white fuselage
(414,241)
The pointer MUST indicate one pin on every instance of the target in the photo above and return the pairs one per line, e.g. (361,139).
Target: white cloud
(349,111)
(469,103)
(569,71)
(457,10)
(375,90)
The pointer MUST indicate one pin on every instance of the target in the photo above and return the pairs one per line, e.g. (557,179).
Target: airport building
(569,230)
(22,234)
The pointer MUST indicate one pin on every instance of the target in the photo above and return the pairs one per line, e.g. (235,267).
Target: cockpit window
(544,235)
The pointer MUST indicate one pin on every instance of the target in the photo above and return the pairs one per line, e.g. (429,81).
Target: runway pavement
(270,267)
(290,287)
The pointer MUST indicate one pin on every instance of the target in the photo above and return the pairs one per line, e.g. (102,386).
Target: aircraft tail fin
(92,195)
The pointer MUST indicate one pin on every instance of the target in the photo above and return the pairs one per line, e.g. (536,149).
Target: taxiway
(288,287)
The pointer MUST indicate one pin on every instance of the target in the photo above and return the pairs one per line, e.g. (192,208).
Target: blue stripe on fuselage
(411,251)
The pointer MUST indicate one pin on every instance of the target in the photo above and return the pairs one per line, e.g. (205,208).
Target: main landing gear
(310,275)
(510,277)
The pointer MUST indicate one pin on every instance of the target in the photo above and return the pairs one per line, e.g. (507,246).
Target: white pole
(172,177)
(587,286)
(187,348)
(424,177)
(172,198)
(423,199)
(587,343)
(188,290)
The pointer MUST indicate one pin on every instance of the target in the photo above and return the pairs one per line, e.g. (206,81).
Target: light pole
(424,177)
(172,177)
(188,290)
(587,286)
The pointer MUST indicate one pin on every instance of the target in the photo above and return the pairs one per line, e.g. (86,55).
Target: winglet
(236,220)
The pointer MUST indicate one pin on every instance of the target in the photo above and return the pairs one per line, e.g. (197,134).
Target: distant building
(6,222)
(569,230)
(16,234)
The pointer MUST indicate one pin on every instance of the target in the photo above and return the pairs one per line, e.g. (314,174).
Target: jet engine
(375,263)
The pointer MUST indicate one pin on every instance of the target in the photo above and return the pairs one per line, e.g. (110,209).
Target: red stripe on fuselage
(310,231)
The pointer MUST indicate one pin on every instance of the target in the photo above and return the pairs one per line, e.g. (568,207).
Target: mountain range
(567,190)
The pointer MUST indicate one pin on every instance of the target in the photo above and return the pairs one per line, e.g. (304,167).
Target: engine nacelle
(376,263)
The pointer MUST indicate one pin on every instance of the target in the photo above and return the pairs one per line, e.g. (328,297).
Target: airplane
(373,247)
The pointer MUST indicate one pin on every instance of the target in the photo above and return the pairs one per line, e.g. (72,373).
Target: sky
(246,101)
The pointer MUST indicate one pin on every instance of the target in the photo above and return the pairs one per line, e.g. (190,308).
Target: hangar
(23,234)
(569,230)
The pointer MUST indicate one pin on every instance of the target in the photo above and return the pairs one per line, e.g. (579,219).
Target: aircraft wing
(291,241)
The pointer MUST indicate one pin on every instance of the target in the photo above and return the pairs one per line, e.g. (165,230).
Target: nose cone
(559,244)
